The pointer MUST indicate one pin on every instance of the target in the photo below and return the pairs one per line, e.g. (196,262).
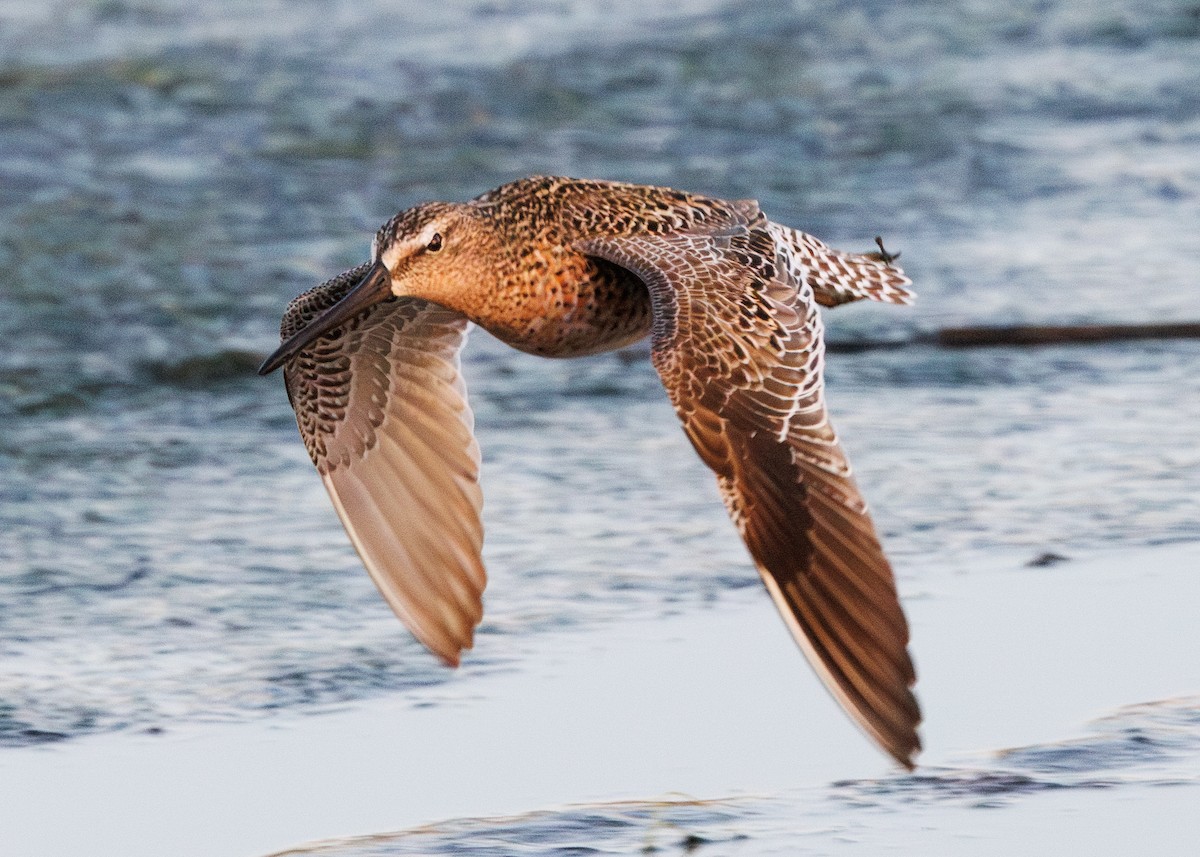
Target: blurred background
(172,173)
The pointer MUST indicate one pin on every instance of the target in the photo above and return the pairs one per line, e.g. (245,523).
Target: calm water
(938,811)
(170,176)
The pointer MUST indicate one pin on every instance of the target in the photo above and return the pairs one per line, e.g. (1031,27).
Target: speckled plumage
(564,267)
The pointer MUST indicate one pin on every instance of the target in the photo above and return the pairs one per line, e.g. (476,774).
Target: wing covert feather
(383,411)
(738,343)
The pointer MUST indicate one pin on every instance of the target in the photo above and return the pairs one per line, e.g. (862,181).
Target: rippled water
(171,174)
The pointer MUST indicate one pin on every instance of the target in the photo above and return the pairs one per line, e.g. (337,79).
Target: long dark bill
(374,287)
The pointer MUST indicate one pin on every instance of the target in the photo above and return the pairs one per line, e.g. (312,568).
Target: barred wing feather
(738,344)
(383,411)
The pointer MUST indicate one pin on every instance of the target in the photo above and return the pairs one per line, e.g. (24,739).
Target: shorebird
(564,267)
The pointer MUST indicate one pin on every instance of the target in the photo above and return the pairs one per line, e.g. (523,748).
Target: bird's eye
(435,243)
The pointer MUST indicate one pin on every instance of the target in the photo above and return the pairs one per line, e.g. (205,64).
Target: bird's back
(556,301)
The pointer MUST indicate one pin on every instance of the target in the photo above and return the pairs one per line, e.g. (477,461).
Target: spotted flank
(563,267)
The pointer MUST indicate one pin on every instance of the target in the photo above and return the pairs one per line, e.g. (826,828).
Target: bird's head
(438,251)
(430,250)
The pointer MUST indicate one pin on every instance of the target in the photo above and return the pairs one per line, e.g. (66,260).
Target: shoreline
(711,704)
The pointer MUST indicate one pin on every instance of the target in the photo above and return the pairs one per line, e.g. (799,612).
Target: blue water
(171,175)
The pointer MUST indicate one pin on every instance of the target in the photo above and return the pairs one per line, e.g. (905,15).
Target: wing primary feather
(737,342)
(364,524)
(382,408)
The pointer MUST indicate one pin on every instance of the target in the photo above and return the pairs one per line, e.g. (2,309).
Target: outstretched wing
(383,411)
(738,345)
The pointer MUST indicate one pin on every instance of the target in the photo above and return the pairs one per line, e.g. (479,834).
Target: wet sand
(709,704)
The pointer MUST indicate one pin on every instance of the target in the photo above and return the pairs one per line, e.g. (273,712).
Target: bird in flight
(563,267)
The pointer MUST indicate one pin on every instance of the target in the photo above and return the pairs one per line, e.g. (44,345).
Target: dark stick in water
(1020,335)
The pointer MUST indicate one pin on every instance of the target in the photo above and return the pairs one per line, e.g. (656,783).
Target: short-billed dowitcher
(564,267)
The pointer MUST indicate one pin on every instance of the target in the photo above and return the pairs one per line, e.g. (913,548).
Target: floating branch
(1021,335)
(967,337)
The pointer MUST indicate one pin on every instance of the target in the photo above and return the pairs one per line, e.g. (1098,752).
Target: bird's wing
(383,411)
(738,345)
